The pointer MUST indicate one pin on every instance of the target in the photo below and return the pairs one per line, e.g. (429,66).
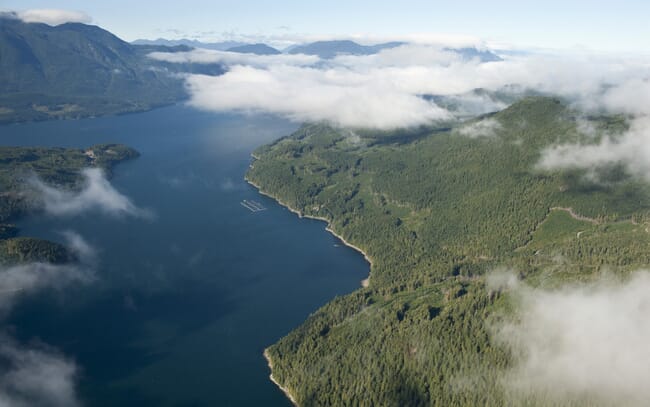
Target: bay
(185,301)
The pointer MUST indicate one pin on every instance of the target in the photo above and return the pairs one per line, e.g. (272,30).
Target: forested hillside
(437,211)
(76,70)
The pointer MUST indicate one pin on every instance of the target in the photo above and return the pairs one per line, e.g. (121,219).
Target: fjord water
(184,302)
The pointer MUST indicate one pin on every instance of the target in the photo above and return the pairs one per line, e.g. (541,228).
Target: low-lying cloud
(38,375)
(586,342)
(35,376)
(630,149)
(17,281)
(208,56)
(311,94)
(53,16)
(388,89)
(483,128)
(96,193)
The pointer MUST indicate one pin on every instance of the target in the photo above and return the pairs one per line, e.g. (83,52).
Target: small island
(60,167)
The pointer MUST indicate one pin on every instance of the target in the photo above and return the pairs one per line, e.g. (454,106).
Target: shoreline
(9,122)
(365,282)
(286,392)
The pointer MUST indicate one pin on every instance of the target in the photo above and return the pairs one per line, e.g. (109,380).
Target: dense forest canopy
(440,213)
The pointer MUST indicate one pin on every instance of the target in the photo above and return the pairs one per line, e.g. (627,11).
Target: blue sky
(599,25)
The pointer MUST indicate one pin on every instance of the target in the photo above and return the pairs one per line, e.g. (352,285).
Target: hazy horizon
(603,26)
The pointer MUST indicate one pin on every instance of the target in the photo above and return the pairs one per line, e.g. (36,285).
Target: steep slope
(436,214)
(74,70)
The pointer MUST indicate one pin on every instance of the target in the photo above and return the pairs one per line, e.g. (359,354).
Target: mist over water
(185,301)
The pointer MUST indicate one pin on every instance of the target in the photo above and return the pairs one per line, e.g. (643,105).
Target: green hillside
(76,70)
(435,212)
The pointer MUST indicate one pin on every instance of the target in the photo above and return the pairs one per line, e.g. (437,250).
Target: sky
(597,25)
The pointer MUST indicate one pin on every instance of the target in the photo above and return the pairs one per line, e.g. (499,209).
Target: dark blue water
(184,304)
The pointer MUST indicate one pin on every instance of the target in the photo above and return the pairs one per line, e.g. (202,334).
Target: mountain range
(322,49)
(217,46)
(78,70)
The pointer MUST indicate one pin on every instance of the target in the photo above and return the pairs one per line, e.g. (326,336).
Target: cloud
(422,82)
(582,342)
(208,56)
(631,149)
(385,90)
(86,253)
(53,16)
(310,94)
(631,96)
(96,194)
(38,375)
(35,376)
(483,128)
(17,281)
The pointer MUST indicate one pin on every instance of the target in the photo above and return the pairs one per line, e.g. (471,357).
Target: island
(60,167)
(437,211)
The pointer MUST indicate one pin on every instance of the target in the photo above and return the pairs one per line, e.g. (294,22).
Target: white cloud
(97,194)
(208,56)
(588,341)
(403,56)
(385,90)
(632,150)
(483,128)
(40,375)
(24,279)
(310,94)
(80,247)
(629,96)
(35,376)
(632,96)
(53,16)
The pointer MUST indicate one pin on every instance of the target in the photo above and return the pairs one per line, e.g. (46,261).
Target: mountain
(218,46)
(470,53)
(77,70)
(258,49)
(148,48)
(436,212)
(330,49)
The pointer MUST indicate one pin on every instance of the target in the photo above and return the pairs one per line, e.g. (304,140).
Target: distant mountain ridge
(77,70)
(469,53)
(217,46)
(258,49)
(330,49)
(322,49)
